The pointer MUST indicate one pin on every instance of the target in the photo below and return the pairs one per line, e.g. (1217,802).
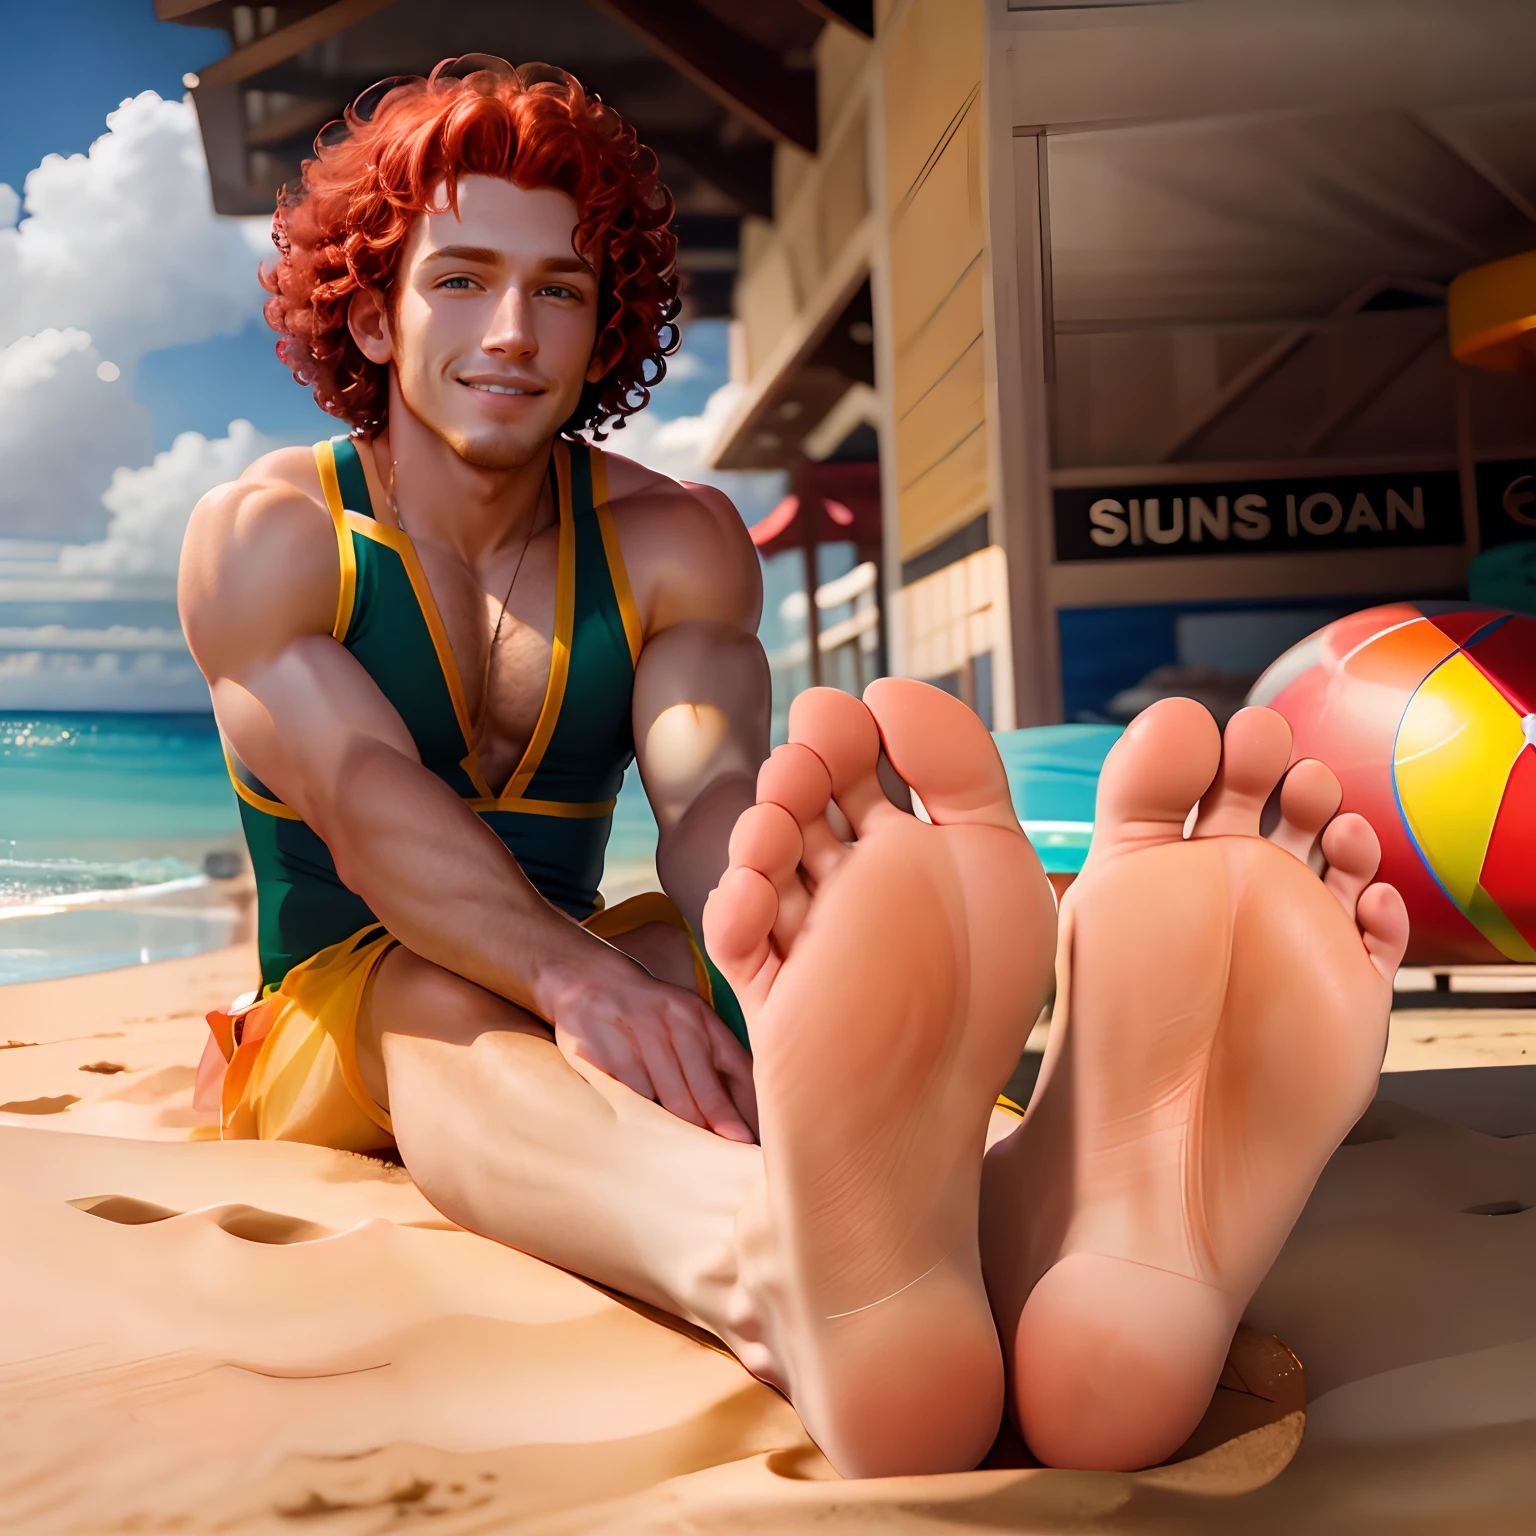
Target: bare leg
(889,989)
(507,1139)
(1220,1023)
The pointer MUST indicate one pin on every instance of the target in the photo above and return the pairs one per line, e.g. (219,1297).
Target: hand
(660,1040)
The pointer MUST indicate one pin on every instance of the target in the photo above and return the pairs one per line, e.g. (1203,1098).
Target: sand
(202,1336)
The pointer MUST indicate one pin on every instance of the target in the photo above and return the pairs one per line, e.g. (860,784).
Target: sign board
(1305,515)
(1506,501)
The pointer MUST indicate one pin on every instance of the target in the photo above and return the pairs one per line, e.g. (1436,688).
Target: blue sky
(135,368)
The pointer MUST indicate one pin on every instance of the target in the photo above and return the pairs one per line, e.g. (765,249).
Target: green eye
(455,282)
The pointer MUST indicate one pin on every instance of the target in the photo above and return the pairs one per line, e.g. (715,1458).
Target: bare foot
(1221,1018)
(888,988)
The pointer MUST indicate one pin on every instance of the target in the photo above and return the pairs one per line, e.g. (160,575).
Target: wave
(60,881)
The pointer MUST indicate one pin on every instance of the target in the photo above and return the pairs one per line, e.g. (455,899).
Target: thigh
(412,1000)
(663,950)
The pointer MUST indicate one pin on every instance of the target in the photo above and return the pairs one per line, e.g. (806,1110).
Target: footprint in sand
(247,1222)
(46,1106)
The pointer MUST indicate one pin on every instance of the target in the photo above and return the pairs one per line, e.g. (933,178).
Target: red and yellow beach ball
(1427,713)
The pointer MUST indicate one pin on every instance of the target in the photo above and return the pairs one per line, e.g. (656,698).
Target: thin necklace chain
(490,654)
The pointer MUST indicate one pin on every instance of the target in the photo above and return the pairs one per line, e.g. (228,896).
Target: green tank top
(555,812)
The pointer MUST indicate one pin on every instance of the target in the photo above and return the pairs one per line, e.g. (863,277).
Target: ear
(368,321)
(607,352)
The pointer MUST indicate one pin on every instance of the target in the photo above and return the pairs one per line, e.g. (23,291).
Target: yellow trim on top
(346,593)
(399,540)
(251,798)
(325,462)
(560,643)
(376,496)
(571,810)
(618,573)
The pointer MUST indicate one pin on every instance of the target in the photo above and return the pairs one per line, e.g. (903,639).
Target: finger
(614,1058)
(673,1090)
(733,1064)
(689,1037)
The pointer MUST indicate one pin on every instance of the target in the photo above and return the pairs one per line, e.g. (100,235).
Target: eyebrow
(480,253)
(487,256)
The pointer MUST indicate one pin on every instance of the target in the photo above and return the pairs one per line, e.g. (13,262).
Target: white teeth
(501,389)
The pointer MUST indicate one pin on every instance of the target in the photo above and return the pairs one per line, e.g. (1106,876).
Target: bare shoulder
(259,565)
(688,553)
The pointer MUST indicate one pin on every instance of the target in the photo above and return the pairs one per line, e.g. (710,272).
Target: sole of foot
(888,986)
(1220,1022)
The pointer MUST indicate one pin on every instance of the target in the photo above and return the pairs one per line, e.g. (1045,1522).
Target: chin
(489,446)
(496,450)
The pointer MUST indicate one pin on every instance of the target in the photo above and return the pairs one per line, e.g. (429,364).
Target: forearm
(443,883)
(692,855)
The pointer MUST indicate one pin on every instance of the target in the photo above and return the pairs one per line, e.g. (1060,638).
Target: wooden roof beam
(744,172)
(739,73)
(283,44)
(857,15)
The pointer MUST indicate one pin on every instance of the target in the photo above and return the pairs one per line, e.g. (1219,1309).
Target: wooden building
(1158,296)
(1138,305)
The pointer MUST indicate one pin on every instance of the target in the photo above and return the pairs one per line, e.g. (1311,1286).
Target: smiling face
(491,323)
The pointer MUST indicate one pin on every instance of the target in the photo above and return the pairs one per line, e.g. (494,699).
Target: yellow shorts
(290,1059)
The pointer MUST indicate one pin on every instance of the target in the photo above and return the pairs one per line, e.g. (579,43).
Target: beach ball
(1427,713)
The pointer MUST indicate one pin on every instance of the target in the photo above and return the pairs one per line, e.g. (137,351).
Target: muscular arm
(702,701)
(257,592)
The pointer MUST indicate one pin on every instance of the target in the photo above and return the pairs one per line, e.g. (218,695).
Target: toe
(1153,776)
(1353,853)
(1383,920)
(766,838)
(1309,799)
(738,919)
(842,733)
(797,779)
(1254,751)
(943,751)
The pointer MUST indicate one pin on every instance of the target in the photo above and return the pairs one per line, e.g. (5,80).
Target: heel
(1115,1362)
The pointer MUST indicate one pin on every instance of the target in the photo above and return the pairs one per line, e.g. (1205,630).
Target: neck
(441,496)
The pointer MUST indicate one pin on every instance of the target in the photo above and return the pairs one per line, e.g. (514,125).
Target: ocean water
(111,823)
(115,828)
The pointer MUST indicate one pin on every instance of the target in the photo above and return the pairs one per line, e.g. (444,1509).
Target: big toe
(1254,751)
(943,751)
(842,733)
(1153,777)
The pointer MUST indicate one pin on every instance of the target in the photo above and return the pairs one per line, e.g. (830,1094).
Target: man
(432,647)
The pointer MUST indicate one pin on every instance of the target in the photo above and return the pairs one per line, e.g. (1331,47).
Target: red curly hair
(343,227)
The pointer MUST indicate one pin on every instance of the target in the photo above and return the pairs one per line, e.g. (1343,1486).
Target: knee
(416,998)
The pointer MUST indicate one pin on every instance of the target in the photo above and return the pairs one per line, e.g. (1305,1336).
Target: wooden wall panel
(844,192)
(946,496)
(937,234)
(947,333)
(946,415)
(932,84)
(932,65)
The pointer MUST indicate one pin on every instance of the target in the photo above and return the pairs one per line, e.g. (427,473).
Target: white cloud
(150,506)
(685,365)
(123,242)
(105,681)
(63,429)
(677,448)
(119,253)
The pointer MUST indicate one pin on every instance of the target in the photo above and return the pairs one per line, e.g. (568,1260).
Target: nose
(510,333)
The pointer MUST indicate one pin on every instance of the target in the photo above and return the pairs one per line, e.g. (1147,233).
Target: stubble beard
(488,447)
